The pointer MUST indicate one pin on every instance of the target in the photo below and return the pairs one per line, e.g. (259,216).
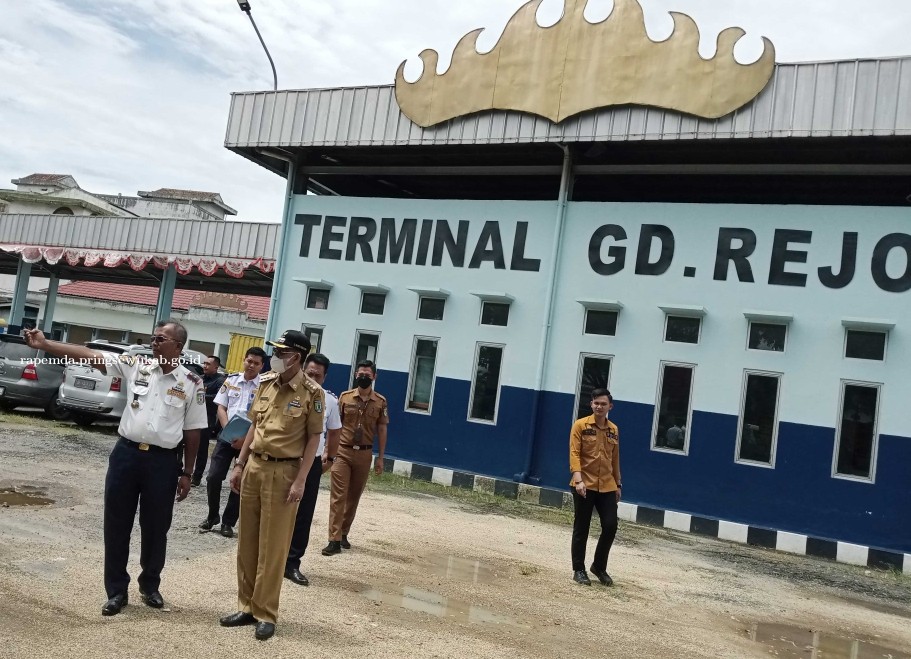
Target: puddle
(462,568)
(790,641)
(24,496)
(423,601)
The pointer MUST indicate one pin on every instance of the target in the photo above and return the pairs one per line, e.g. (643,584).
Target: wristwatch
(330,458)
(186,474)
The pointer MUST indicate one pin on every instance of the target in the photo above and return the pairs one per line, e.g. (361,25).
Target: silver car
(29,378)
(92,395)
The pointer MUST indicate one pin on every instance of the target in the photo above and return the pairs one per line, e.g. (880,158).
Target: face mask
(363,381)
(279,366)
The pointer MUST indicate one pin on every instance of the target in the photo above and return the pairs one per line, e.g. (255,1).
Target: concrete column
(166,294)
(50,304)
(17,310)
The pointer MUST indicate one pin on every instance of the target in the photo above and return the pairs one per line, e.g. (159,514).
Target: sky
(131,95)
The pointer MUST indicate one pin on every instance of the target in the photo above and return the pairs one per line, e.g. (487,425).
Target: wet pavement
(791,641)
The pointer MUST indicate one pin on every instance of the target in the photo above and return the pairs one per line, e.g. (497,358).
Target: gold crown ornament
(574,66)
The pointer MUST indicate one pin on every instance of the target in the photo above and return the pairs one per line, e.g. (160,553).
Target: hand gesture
(35,339)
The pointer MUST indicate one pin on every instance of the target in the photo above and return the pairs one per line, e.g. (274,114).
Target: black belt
(142,446)
(268,458)
(357,447)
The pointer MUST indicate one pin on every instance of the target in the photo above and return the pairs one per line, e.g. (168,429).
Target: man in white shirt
(316,366)
(165,405)
(232,400)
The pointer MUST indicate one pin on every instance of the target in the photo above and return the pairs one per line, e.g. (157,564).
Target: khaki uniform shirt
(595,452)
(286,415)
(360,418)
(160,406)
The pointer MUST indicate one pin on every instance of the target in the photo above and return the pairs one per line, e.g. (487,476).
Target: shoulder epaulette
(379,395)
(192,377)
(271,375)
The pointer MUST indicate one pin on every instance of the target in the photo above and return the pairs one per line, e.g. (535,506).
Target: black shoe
(580,577)
(114,605)
(208,523)
(194,482)
(603,577)
(226,531)
(334,547)
(153,599)
(345,543)
(295,575)
(238,619)
(264,630)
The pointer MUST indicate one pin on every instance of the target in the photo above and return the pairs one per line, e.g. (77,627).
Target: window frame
(421,299)
(481,322)
(581,366)
(412,371)
(311,289)
(689,412)
(747,372)
(364,294)
(357,339)
(874,450)
(787,328)
(322,333)
(474,376)
(844,347)
(668,316)
(588,310)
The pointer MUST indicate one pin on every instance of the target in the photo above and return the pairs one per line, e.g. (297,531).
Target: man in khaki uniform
(364,415)
(270,474)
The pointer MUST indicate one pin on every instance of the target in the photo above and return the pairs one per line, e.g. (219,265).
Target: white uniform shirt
(166,403)
(331,420)
(236,394)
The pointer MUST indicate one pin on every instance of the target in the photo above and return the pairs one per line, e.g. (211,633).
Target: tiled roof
(257,307)
(40,179)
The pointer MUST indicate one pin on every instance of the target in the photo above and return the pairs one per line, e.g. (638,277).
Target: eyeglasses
(158,338)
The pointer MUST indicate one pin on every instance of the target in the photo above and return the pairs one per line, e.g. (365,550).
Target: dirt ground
(429,576)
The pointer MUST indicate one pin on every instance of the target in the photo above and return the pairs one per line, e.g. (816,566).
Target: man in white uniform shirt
(232,400)
(316,366)
(165,404)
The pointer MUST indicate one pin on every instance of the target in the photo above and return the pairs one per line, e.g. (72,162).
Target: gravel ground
(429,576)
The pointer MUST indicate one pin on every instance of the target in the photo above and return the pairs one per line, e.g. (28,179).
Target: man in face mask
(270,475)
(365,414)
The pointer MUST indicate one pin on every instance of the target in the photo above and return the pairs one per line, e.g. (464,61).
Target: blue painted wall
(798,495)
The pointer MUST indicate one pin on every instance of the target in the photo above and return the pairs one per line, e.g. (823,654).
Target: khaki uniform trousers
(349,478)
(266,525)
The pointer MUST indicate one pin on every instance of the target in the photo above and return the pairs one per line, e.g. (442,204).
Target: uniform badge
(589,431)
(296,403)
(317,405)
(200,397)
(386,412)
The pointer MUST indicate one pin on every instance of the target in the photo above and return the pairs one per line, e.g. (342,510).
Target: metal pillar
(50,304)
(280,265)
(17,310)
(166,294)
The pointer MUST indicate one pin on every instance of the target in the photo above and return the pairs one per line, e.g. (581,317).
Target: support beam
(50,304)
(17,310)
(166,293)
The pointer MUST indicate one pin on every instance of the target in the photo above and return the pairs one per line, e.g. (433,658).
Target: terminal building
(740,282)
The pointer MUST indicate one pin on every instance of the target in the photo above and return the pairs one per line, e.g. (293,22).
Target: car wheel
(83,420)
(56,411)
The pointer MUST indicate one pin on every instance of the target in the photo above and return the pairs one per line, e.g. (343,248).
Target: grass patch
(36,421)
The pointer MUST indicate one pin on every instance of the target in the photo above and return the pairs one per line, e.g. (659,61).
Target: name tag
(589,431)
(177,393)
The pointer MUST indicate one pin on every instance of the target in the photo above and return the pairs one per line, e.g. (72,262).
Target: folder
(236,429)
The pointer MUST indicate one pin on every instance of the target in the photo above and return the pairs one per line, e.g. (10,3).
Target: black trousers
(606,505)
(301,536)
(219,465)
(146,480)
(202,454)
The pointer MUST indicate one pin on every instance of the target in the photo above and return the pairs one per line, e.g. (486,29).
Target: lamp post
(245,7)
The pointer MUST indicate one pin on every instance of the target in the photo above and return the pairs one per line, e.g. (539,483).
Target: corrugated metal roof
(216,239)
(819,99)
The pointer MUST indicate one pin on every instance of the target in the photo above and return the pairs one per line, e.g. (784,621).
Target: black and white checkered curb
(794,543)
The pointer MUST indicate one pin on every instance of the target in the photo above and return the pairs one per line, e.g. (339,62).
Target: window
(318,298)
(63,210)
(315,334)
(494,313)
(594,373)
(672,413)
(757,429)
(205,347)
(423,366)
(682,329)
(767,336)
(365,347)
(373,303)
(865,345)
(485,387)
(856,435)
(431,308)
(601,322)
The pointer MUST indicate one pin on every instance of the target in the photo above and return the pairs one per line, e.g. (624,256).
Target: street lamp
(245,7)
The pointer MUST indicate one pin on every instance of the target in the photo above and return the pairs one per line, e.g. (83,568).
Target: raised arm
(35,339)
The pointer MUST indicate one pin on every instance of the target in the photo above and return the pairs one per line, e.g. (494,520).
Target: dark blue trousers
(146,480)
(219,465)
(202,454)
(301,536)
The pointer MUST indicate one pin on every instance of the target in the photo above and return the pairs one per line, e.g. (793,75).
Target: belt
(142,446)
(357,447)
(268,458)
